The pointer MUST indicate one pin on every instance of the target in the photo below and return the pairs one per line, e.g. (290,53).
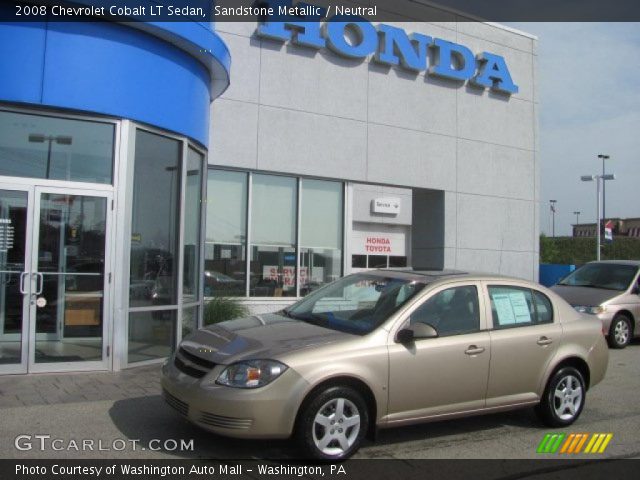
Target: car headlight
(591,310)
(251,373)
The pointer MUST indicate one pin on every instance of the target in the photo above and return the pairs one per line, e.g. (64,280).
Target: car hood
(585,295)
(257,337)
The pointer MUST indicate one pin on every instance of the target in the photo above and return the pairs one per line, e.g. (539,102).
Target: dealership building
(145,167)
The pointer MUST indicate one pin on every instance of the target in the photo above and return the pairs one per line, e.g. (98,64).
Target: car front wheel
(333,424)
(619,331)
(563,399)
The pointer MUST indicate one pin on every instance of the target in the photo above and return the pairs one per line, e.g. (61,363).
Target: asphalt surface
(141,414)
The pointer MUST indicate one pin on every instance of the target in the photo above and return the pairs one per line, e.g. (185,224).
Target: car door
(447,374)
(631,301)
(524,338)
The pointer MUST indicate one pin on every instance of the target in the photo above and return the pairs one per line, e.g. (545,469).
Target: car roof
(431,276)
(635,263)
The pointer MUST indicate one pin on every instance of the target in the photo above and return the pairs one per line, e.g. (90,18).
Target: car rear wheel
(333,424)
(619,331)
(563,399)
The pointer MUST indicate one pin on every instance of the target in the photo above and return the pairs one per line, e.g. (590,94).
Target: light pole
(59,139)
(604,196)
(597,178)
(577,214)
(552,207)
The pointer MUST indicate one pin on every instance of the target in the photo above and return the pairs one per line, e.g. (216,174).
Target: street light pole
(597,178)
(577,214)
(41,138)
(598,218)
(604,196)
(552,206)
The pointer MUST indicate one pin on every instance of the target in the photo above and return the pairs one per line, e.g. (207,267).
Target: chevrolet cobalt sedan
(387,348)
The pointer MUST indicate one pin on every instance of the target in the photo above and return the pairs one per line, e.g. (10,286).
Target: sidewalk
(56,388)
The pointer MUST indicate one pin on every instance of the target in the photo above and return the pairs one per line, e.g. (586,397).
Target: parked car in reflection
(218,283)
(387,348)
(608,290)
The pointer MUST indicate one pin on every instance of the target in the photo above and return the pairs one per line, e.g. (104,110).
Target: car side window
(518,307)
(544,308)
(453,311)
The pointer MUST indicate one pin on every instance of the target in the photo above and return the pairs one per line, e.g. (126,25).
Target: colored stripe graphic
(598,443)
(550,443)
(574,443)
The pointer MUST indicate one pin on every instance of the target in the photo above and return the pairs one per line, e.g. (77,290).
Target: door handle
(40,284)
(543,341)
(474,350)
(22,277)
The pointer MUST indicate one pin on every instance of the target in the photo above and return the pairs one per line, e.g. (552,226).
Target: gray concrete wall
(295,110)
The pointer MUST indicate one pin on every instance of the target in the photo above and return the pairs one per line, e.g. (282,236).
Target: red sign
(378,245)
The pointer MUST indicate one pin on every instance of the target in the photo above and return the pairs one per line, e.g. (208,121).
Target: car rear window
(519,307)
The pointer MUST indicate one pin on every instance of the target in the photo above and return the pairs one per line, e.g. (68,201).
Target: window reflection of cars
(152,277)
(608,290)
(216,283)
(387,348)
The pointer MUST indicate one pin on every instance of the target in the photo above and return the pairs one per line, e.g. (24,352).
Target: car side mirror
(416,331)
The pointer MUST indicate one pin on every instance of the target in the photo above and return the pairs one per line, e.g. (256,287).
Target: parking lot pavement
(117,408)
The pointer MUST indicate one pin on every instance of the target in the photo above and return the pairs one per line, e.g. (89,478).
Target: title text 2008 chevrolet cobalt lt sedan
(387,348)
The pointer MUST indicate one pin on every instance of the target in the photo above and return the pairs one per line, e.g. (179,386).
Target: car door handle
(542,341)
(473,350)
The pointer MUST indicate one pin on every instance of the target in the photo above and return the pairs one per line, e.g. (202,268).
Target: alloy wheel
(336,426)
(567,397)
(621,332)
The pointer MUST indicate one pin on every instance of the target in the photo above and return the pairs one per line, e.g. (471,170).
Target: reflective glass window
(155,221)
(56,148)
(225,268)
(273,236)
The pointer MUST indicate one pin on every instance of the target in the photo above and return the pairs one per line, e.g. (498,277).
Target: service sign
(387,205)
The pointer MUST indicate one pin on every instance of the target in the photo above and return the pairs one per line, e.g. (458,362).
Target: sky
(589,90)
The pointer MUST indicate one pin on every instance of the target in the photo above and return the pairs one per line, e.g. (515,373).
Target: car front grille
(195,359)
(191,364)
(179,405)
(225,422)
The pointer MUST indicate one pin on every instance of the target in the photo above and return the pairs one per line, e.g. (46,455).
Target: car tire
(563,398)
(620,331)
(332,424)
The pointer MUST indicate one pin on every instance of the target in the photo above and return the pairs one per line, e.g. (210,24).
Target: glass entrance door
(15,206)
(54,281)
(69,313)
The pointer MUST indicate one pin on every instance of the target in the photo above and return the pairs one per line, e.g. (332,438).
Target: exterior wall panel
(357,120)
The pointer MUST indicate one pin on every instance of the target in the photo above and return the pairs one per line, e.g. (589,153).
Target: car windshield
(609,276)
(357,303)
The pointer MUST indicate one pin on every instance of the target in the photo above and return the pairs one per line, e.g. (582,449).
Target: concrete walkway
(57,388)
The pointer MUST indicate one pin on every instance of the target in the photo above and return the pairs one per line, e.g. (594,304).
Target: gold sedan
(387,348)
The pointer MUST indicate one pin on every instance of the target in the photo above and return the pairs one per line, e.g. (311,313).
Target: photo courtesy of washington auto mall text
(121,469)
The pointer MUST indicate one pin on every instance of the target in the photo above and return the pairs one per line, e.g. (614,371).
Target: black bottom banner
(66,469)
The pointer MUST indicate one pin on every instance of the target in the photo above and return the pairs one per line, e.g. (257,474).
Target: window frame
(430,292)
(475,330)
(532,291)
(90,118)
(211,169)
(180,305)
